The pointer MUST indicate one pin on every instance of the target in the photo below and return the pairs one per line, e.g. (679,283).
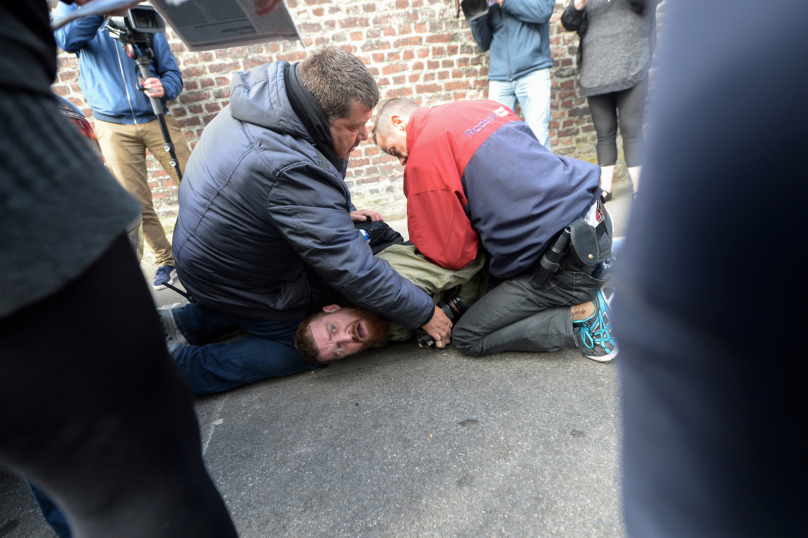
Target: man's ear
(331,308)
(399,122)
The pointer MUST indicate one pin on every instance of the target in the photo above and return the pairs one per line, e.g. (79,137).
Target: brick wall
(415,48)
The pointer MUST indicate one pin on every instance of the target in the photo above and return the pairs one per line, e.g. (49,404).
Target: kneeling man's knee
(465,340)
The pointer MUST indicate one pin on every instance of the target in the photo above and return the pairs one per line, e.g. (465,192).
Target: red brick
(390,69)
(189,122)
(458,85)
(354,22)
(427,88)
(68,75)
(369,46)
(292,56)
(408,42)
(187,97)
(439,38)
(308,28)
(193,71)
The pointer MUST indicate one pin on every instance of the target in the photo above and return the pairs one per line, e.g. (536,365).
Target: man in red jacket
(476,176)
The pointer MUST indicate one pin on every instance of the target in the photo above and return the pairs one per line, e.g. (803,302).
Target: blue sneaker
(594,334)
(165,274)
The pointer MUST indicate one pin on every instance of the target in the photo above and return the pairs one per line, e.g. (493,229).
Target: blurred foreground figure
(711,306)
(92,409)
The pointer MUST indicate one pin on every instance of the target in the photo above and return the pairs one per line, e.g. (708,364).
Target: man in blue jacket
(125,122)
(517,34)
(265,233)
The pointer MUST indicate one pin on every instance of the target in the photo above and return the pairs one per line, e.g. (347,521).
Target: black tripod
(143,59)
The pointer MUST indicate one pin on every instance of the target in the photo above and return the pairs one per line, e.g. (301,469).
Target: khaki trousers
(124,148)
(468,284)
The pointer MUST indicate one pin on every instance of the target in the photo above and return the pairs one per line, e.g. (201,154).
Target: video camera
(474,9)
(136,27)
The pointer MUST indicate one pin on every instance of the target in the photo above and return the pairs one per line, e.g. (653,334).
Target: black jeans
(96,414)
(518,316)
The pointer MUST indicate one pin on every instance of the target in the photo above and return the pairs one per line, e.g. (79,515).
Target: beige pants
(468,284)
(124,148)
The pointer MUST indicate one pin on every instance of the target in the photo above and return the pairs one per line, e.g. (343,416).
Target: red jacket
(476,173)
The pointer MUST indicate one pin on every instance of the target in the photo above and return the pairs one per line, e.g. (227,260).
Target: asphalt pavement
(403,442)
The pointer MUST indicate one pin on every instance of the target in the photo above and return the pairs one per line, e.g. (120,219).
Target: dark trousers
(96,414)
(518,316)
(627,109)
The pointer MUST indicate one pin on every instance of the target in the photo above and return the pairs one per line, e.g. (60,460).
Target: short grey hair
(337,78)
(393,107)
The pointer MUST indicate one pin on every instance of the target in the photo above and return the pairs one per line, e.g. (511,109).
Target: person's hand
(363,214)
(440,328)
(154,87)
(579,4)
(264,7)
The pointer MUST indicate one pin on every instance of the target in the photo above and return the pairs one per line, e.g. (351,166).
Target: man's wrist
(428,319)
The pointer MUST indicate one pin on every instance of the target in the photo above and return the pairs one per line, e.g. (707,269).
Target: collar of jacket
(312,115)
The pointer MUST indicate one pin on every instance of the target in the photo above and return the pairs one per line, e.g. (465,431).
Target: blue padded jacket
(257,210)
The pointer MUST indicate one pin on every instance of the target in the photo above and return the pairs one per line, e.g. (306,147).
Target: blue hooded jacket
(108,76)
(517,34)
(259,213)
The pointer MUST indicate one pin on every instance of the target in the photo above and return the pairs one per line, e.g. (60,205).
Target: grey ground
(401,442)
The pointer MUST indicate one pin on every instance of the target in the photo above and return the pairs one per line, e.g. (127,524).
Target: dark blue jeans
(267,351)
